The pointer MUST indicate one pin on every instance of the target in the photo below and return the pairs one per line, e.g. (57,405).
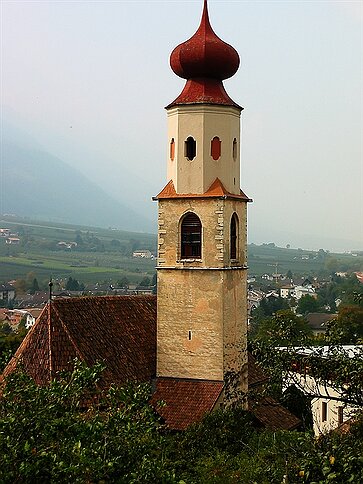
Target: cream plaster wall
(328,395)
(204,122)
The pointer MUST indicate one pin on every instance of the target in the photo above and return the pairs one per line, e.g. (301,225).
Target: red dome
(204,55)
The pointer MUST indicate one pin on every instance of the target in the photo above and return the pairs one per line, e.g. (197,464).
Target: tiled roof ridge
(64,326)
(216,190)
(15,358)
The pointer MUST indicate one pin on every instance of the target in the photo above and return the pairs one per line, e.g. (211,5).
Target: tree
(273,304)
(20,286)
(29,279)
(115,244)
(347,328)
(52,440)
(47,435)
(5,329)
(34,286)
(299,404)
(145,282)
(74,285)
(284,328)
(123,282)
(308,304)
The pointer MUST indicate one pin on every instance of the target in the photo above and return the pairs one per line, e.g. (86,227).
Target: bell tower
(202,271)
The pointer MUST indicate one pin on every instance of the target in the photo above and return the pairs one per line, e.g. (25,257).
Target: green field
(106,255)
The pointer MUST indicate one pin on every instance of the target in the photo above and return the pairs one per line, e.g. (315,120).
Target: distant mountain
(37,184)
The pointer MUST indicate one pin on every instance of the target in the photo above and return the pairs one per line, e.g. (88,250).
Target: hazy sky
(89,80)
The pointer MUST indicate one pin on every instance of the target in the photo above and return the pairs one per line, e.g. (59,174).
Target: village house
(4,232)
(29,316)
(12,241)
(318,322)
(144,254)
(328,405)
(287,291)
(7,292)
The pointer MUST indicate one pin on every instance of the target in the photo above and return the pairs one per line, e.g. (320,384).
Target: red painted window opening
(215,148)
(234,231)
(172,149)
(234,149)
(190,148)
(191,237)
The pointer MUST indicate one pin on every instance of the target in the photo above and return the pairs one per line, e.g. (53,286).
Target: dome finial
(207,60)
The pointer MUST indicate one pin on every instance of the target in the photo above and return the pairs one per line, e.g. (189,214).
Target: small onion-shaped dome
(204,55)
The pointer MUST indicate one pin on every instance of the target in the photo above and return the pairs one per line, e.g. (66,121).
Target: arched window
(234,149)
(233,235)
(172,149)
(190,148)
(191,237)
(215,148)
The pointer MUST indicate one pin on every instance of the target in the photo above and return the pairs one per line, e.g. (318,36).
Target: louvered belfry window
(191,237)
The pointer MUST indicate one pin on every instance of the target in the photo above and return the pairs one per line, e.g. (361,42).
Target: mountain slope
(37,184)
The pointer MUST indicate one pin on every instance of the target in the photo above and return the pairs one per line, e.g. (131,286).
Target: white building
(301,291)
(328,405)
(287,291)
(144,254)
(7,292)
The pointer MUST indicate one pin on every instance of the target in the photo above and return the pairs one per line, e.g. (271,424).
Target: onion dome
(204,61)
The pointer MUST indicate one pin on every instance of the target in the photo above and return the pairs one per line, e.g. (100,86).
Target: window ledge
(184,261)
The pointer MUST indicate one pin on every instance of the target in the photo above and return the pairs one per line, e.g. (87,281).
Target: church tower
(202,271)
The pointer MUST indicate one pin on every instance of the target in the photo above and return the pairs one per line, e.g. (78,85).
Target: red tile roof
(256,376)
(268,412)
(120,330)
(216,190)
(186,401)
(272,415)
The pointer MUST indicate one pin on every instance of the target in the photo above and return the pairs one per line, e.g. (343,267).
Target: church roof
(271,414)
(183,401)
(216,190)
(204,61)
(121,332)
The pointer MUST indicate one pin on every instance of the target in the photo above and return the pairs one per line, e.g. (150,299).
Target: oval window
(190,148)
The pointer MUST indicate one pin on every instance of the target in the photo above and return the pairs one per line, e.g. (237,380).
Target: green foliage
(335,458)
(334,367)
(9,343)
(347,289)
(47,435)
(308,304)
(284,328)
(347,328)
(34,287)
(74,285)
(123,282)
(299,404)
(61,433)
(145,282)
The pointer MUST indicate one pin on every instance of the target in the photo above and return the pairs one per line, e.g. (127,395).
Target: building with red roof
(190,342)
